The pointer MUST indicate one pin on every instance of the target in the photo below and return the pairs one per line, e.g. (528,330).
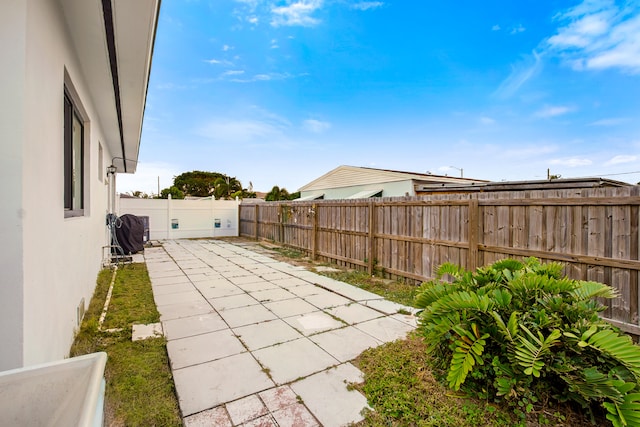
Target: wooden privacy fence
(593,231)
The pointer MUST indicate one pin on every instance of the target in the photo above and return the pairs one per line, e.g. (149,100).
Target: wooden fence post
(314,231)
(280,225)
(257,212)
(474,214)
(370,249)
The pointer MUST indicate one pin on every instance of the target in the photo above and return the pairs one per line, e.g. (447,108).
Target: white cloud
(218,62)
(226,47)
(619,159)
(613,121)
(316,126)
(297,13)
(518,29)
(571,162)
(253,19)
(521,73)
(267,77)
(598,34)
(232,73)
(487,120)
(366,5)
(553,111)
(495,28)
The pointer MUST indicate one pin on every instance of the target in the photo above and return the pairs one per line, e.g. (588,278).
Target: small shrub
(523,333)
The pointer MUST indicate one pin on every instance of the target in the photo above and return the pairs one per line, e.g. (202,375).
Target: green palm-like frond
(430,292)
(587,290)
(618,347)
(452,270)
(468,351)
(626,413)
(455,302)
(530,352)
(510,329)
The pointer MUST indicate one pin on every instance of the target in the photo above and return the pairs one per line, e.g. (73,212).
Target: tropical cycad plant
(522,332)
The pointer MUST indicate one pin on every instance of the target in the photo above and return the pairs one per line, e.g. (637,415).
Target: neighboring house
(350,182)
(423,189)
(74,83)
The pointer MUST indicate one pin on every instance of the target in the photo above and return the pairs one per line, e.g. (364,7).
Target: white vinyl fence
(178,219)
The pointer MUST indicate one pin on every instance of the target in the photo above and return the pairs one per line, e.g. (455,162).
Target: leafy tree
(139,194)
(197,183)
(175,192)
(227,188)
(520,332)
(278,193)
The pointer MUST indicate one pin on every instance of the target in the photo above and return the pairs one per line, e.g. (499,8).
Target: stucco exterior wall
(12,60)
(56,258)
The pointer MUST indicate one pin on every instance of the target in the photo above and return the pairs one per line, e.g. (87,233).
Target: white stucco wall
(12,60)
(50,262)
(195,218)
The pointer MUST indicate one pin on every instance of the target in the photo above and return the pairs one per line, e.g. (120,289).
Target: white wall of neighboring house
(389,189)
(48,263)
(194,218)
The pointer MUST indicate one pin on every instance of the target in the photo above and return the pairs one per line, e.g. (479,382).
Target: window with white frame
(73,159)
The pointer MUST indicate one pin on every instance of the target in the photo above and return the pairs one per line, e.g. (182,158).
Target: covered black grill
(130,234)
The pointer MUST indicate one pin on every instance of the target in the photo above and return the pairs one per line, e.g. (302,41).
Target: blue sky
(281,92)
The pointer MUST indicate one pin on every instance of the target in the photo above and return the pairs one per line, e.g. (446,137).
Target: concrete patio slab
(327,299)
(155,273)
(197,349)
(143,332)
(207,385)
(294,359)
(191,295)
(213,417)
(385,329)
(170,280)
(274,275)
(233,301)
(246,409)
(278,398)
(172,289)
(354,313)
(271,295)
(186,309)
(261,285)
(345,344)
(328,398)
(242,316)
(290,307)
(265,421)
(295,415)
(388,307)
(266,334)
(304,291)
(289,282)
(243,280)
(194,325)
(314,323)
(253,341)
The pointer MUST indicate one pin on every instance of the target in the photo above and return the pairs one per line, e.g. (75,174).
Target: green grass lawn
(140,390)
